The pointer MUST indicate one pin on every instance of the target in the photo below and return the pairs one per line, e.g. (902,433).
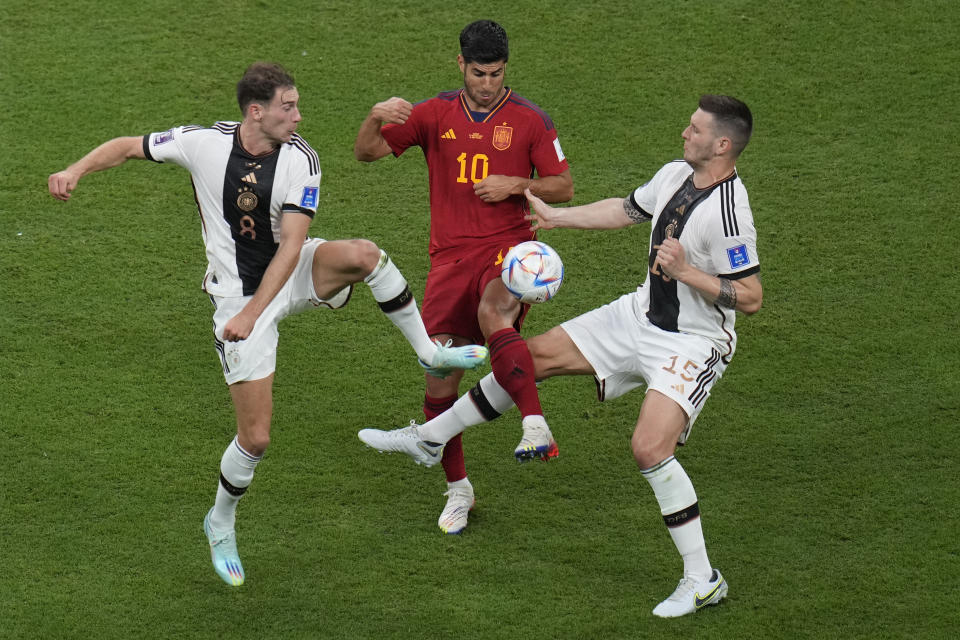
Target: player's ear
(461,63)
(724,145)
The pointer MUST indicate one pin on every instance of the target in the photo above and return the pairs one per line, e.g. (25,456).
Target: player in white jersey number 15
(674,335)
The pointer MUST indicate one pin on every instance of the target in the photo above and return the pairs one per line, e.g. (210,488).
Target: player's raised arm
(110,154)
(603,214)
(370,145)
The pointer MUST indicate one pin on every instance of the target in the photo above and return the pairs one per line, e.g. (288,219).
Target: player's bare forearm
(278,272)
(743,294)
(495,188)
(604,214)
(108,155)
(553,189)
(370,144)
(293,232)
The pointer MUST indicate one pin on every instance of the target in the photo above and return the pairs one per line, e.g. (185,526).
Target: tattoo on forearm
(728,294)
(633,212)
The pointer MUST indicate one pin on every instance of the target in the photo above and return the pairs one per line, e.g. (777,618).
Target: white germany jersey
(715,228)
(241,197)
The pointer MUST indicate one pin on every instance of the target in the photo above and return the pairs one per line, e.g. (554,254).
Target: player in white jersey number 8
(256,185)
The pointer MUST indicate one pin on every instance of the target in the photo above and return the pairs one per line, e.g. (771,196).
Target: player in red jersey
(484,144)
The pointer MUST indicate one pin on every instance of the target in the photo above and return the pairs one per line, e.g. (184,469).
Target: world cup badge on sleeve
(163,138)
(309,198)
(738,256)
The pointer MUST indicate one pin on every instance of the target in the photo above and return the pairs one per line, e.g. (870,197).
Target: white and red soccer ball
(532,271)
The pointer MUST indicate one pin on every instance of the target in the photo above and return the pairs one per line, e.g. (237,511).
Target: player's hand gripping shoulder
(604,214)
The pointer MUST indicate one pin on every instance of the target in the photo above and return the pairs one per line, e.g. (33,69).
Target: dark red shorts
(453,292)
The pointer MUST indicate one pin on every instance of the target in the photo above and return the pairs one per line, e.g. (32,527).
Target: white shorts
(627,351)
(256,356)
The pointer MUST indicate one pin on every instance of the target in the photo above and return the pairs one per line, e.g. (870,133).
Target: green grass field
(825,463)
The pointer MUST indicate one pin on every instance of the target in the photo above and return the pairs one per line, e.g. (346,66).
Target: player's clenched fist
(395,110)
(61,184)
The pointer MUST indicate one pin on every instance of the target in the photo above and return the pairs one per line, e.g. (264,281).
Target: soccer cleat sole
(544,454)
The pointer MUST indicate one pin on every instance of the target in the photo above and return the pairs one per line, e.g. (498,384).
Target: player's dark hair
(259,82)
(484,41)
(733,119)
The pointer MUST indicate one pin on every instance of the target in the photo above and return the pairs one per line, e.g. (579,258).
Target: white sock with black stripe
(483,403)
(391,292)
(681,514)
(236,474)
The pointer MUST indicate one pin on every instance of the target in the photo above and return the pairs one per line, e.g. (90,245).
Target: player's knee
(255,441)
(490,319)
(497,310)
(363,255)
(648,451)
(345,261)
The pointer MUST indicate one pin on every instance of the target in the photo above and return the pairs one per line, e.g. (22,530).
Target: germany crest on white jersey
(241,197)
(715,228)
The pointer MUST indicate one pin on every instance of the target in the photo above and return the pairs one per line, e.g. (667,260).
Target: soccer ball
(532,271)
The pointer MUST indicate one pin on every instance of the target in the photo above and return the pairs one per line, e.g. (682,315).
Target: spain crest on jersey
(502,136)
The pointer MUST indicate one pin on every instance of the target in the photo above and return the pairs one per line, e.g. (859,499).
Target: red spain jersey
(516,138)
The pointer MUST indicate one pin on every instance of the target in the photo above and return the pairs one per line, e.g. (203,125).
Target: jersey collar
(486,116)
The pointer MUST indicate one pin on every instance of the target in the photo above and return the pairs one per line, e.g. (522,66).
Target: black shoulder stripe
(730,226)
(307,150)
(227,128)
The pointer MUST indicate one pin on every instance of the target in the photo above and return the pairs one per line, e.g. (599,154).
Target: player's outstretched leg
(223,553)
(690,596)
(537,441)
(406,440)
(447,358)
(392,294)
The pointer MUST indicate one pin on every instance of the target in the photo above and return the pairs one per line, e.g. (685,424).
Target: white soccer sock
(681,513)
(463,483)
(391,292)
(236,474)
(483,403)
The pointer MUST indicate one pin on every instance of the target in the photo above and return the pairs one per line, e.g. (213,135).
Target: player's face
(279,118)
(482,83)
(700,139)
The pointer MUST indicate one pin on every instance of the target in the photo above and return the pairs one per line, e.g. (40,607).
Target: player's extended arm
(370,144)
(110,154)
(293,231)
(558,188)
(604,214)
(744,294)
